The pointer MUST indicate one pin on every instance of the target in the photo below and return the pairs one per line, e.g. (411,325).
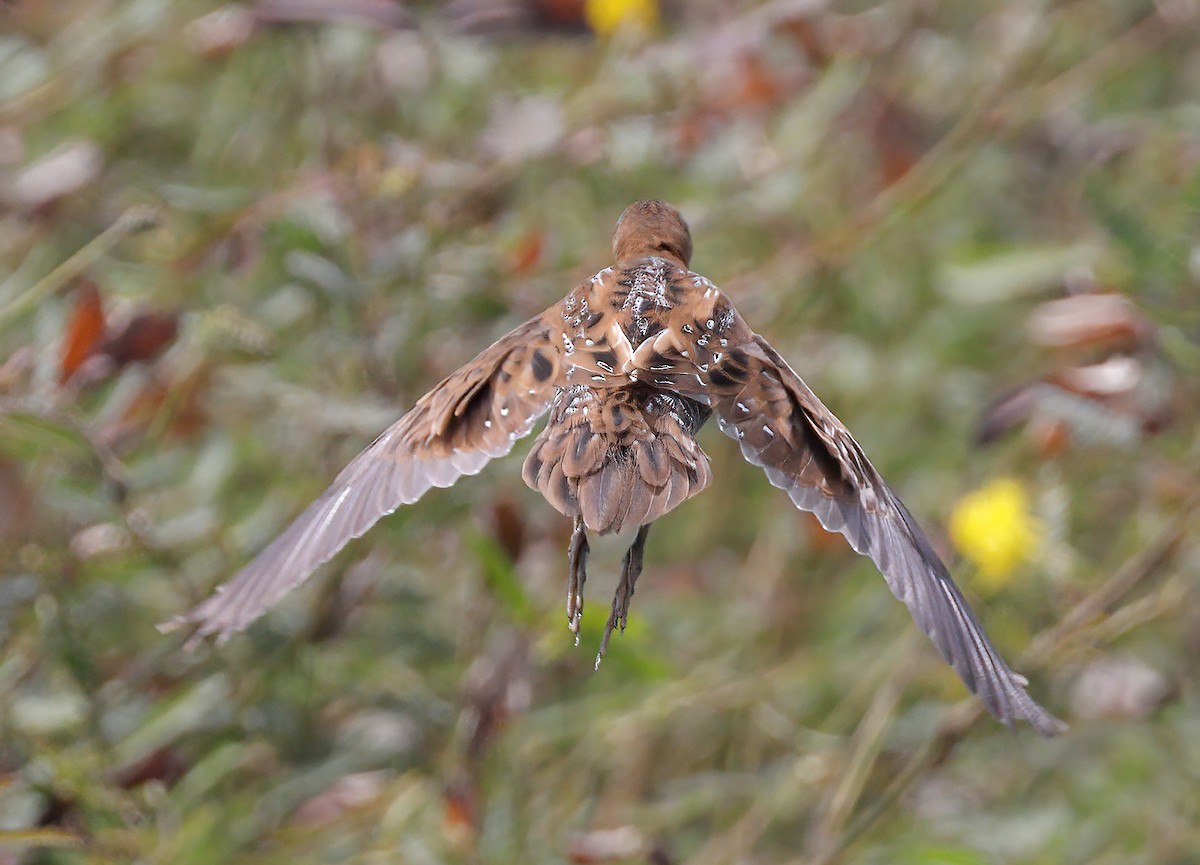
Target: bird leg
(577,554)
(631,569)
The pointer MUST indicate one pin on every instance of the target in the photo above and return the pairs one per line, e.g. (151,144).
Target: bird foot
(577,553)
(631,569)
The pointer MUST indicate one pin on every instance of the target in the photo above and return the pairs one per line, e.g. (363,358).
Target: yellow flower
(606,17)
(994,528)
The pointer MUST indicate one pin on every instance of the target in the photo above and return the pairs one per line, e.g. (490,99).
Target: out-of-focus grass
(349,211)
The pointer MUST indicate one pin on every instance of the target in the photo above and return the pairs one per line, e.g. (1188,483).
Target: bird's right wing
(473,415)
(806,451)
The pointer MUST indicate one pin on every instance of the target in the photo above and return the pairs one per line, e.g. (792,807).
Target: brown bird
(629,366)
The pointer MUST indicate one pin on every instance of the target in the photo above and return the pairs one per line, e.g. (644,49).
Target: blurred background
(236,241)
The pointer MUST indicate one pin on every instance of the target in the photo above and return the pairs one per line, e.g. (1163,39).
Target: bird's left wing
(473,415)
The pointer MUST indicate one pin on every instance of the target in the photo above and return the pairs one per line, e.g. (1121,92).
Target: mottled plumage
(629,366)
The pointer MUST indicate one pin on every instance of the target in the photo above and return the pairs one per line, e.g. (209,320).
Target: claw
(577,554)
(631,569)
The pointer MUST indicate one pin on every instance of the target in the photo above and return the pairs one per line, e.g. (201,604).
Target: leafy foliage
(238,241)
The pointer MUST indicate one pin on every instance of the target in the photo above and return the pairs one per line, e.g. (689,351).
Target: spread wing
(806,451)
(473,415)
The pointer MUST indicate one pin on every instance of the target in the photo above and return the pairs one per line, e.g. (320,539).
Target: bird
(628,367)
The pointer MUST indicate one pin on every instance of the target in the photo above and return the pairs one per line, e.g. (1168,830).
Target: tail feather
(620,459)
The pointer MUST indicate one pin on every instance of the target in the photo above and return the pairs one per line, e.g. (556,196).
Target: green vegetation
(344,209)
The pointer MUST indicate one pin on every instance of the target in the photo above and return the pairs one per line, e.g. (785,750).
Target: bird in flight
(629,366)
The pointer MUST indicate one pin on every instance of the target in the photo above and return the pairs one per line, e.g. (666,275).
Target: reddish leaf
(515,16)
(560,13)
(1005,413)
(145,336)
(528,252)
(84,331)
(163,764)
(180,398)
(1050,437)
(756,85)
(898,140)
(506,520)
(461,811)
(804,31)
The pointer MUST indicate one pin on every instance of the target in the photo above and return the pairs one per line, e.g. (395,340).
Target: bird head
(652,228)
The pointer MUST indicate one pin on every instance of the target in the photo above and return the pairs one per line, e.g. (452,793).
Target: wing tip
(1049,726)
(203,625)
(1012,703)
(1041,720)
(173,624)
(1037,717)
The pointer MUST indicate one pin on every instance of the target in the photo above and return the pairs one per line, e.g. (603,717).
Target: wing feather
(475,414)
(806,451)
